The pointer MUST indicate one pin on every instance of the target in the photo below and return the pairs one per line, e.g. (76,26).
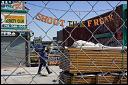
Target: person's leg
(48,70)
(40,66)
(44,63)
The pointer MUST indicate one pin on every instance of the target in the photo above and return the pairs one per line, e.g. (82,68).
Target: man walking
(43,58)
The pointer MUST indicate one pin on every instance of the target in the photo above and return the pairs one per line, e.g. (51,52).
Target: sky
(48,8)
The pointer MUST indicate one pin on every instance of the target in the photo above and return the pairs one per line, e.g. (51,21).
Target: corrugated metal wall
(15,52)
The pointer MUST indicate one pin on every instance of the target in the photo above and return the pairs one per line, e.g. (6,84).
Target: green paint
(124,17)
(14,11)
(124,29)
(105,35)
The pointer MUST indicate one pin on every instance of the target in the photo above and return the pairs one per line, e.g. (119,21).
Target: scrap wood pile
(93,61)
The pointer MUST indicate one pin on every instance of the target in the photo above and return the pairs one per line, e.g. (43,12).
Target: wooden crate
(88,61)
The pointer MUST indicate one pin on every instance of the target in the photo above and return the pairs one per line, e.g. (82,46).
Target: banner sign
(8,33)
(12,5)
(92,22)
(88,23)
(50,20)
(13,21)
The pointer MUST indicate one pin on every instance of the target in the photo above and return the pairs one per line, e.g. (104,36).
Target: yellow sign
(14,19)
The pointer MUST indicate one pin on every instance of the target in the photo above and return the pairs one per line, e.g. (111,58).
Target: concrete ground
(27,75)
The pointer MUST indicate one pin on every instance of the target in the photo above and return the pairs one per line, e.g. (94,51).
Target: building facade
(108,29)
(15,35)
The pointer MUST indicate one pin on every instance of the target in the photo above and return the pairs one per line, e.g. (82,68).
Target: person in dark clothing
(43,58)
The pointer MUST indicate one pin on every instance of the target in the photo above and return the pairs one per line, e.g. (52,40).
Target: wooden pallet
(123,79)
(108,79)
(93,61)
(68,78)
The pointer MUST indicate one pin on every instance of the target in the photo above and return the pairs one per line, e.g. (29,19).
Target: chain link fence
(15,43)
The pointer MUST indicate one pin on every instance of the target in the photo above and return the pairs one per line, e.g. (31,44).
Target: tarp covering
(92,46)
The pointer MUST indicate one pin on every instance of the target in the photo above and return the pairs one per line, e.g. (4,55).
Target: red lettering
(62,23)
(55,22)
(89,23)
(101,21)
(49,20)
(110,17)
(96,22)
(38,17)
(44,18)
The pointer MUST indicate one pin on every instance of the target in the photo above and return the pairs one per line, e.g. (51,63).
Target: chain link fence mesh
(13,58)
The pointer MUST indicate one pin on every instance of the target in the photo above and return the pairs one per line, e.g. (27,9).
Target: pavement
(28,75)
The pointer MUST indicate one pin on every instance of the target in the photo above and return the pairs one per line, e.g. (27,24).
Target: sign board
(92,22)
(89,23)
(12,5)
(8,34)
(13,20)
(50,20)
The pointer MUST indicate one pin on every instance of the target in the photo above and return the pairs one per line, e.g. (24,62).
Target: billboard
(12,5)
(13,20)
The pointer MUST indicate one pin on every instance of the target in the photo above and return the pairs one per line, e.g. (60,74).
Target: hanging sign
(13,20)
(12,5)
(89,23)
(92,22)
(50,20)
(8,33)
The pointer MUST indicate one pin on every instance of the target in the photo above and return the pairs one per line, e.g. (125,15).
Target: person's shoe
(41,74)
(49,72)
(38,73)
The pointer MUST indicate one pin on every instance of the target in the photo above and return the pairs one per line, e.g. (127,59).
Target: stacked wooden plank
(108,79)
(87,61)
(123,79)
(53,59)
(112,79)
(68,78)
(77,61)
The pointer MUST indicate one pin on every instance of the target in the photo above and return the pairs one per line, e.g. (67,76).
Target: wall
(16,51)
(111,28)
